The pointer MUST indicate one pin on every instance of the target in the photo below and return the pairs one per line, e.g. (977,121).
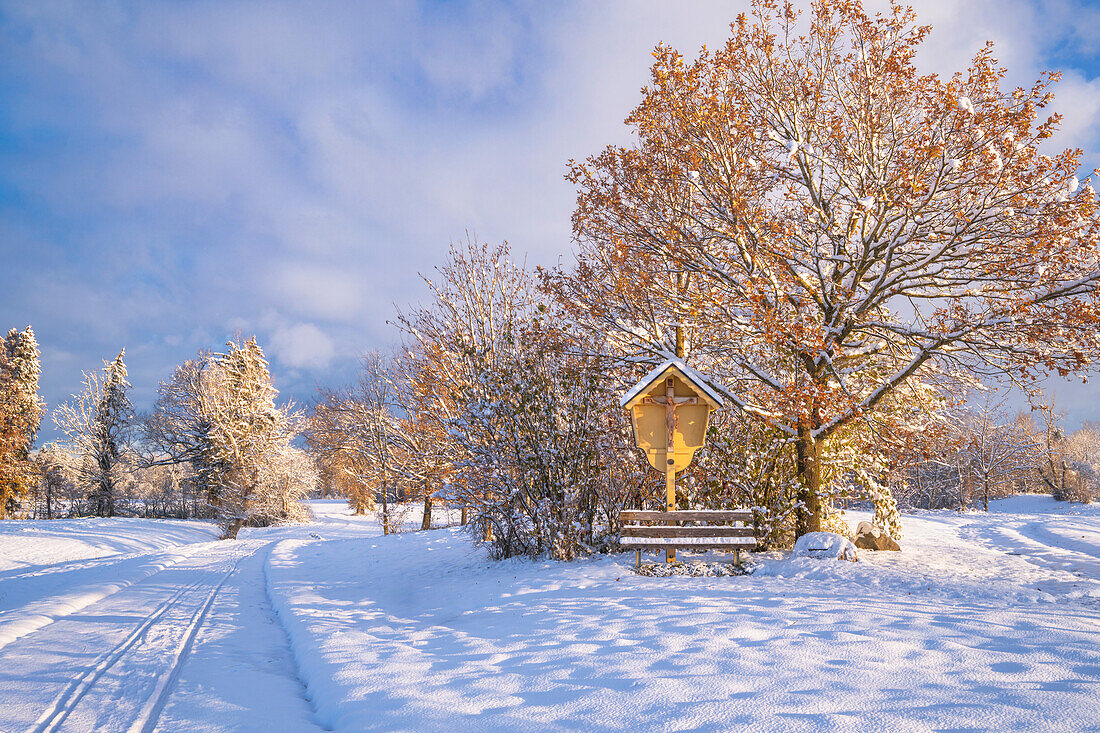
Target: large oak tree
(836,228)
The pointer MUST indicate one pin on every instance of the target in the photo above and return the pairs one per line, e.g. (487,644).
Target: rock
(869,537)
(825,545)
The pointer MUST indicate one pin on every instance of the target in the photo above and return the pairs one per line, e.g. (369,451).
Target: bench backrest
(665,529)
(687,515)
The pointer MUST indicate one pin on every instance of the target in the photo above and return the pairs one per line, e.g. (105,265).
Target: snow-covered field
(33,543)
(983,622)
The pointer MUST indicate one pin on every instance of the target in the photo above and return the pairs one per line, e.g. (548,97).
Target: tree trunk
(964,490)
(464,515)
(809,472)
(427,522)
(232,529)
(985,494)
(385,511)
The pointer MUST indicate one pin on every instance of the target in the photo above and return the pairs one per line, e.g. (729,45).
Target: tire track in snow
(32,570)
(1084,556)
(39,571)
(1032,542)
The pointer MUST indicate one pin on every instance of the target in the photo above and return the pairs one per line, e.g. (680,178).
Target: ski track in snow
(56,714)
(43,605)
(147,718)
(983,622)
(136,638)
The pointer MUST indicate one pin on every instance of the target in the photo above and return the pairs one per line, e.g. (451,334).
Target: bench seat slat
(687,515)
(719,543)
(633,530)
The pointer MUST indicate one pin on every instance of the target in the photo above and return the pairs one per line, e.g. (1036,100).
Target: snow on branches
(535,444)
(20,416)
(836,228)
(218,414)
(99,428)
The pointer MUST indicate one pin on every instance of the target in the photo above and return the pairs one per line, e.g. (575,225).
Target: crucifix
(670,402)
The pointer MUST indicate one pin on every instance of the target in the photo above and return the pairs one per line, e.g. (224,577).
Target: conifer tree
(24,367)
(248,431)
(99,426)
(218,414)
(20,415)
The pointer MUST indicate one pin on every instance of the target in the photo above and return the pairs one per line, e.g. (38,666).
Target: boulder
(869,537)
(825,545)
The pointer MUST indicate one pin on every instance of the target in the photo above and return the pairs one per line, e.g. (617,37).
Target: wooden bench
(665,534)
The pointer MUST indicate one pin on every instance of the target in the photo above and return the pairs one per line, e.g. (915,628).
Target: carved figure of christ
(670,402)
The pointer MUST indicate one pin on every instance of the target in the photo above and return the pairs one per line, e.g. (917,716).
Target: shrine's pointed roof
(688,374)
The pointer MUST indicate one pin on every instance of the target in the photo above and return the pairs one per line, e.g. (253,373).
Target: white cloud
(302,346)
(318,291)
(1078,101)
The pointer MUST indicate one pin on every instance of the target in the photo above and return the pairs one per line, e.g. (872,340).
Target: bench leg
(670,556)
(737,558)
(637,559)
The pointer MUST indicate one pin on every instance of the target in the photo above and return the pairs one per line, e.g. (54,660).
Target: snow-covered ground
(982,622)
(37,542)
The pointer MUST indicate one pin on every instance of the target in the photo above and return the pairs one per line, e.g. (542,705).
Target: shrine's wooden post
(669,410)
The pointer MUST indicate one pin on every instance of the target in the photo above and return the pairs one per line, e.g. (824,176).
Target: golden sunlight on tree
(840,233)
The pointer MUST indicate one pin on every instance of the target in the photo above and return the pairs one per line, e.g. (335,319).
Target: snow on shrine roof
(695,378)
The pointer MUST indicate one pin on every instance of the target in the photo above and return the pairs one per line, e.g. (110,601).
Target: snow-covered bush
(541,433)
(745,465)
(281,495)
(515,411)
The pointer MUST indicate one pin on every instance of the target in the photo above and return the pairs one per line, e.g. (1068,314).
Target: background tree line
(215,445)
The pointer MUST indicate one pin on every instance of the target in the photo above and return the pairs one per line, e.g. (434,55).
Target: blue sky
(174,173)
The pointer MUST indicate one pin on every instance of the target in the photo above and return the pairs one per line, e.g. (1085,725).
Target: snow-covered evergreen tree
(218,414)
(20,416)
(99,426)
(23,369)
(248,435)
